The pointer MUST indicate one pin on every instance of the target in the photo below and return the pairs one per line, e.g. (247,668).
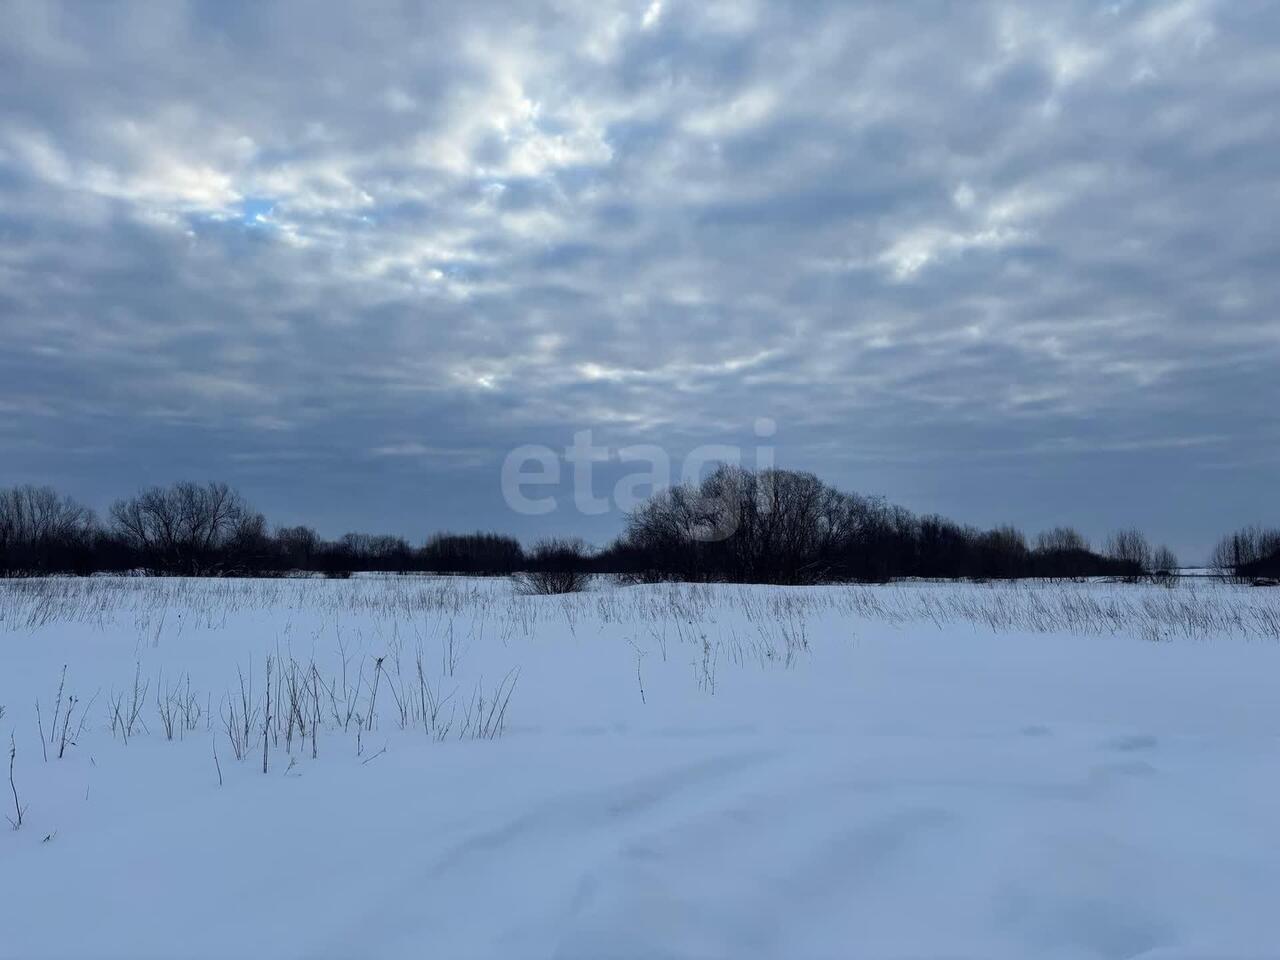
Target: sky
(1009,263)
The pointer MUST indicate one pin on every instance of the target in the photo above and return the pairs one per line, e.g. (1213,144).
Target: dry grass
(423,629)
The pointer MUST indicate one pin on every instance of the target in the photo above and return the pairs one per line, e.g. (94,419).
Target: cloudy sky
(1005,263)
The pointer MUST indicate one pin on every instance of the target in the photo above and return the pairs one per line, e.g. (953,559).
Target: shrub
(555,566)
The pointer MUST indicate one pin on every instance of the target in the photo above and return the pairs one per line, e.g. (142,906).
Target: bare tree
(41,531)
(298,545)
(1130,548)
(1245,552)
(1064,552)
(484,553)
(1164,565)
(1061,540)
(185,528)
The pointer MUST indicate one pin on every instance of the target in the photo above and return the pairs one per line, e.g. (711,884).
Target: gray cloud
(1007,264)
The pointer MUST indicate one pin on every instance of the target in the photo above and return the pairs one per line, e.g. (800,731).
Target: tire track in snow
(564,834)
(656,894)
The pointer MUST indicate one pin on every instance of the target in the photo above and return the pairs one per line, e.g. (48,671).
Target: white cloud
(862,218)
(652,14)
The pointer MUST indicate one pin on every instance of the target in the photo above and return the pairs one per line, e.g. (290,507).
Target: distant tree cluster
(190,529)
(1247,554)
(485,554)
(42,532)
(737,525)
(780,526)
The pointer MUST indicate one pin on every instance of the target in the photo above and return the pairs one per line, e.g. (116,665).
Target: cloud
(932,232)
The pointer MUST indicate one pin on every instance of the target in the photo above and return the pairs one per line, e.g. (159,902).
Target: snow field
(917,770)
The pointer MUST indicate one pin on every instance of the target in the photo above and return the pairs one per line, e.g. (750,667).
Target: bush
(1164,566)
(555,566)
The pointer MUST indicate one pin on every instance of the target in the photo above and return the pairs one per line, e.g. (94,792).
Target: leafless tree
(1061,540)
(1130,547)
(298,546)
(1164,566)
(186,528)
(39,530)
(1243,553)
(483,553)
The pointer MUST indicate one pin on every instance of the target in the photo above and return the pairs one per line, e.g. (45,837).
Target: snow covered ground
(922,770)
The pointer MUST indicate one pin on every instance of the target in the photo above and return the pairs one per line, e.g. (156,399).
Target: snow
(921,770)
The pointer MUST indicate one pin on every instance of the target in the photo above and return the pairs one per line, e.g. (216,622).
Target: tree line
(736,525)
(782,526)
(202,530)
